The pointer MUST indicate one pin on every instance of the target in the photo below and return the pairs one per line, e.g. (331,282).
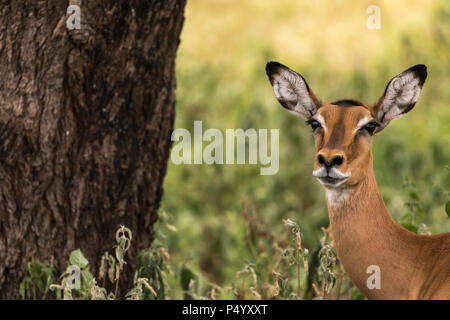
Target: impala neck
(364,234)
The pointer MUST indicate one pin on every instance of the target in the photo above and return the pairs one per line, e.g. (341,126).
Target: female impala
(412,266)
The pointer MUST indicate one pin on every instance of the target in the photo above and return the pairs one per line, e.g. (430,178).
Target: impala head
(343,129)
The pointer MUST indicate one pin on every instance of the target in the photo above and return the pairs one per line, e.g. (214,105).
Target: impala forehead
(333,117)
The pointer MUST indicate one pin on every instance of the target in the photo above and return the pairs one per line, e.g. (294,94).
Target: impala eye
(370,127)
(314,124)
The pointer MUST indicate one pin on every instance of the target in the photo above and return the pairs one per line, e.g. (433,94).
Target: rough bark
(85,123)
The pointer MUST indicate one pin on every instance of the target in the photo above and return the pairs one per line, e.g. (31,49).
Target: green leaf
(23,286)
(447,208)
(186,275)
(411,227)
(77,258)
(86,278)
(357,295)
(414,195)
(161,295)
(48,282)
(39,283)
(146,259)
(34,273)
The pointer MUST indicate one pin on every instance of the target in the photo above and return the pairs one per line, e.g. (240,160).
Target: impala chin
(331,178)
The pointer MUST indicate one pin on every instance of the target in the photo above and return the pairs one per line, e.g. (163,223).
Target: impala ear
(400,95)
(291,90)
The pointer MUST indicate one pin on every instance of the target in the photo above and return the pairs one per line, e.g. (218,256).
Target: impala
(412,266)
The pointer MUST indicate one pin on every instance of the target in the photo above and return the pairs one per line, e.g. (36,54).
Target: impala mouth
(331,182)
(331,177)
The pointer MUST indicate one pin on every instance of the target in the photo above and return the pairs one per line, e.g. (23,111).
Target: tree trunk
(85,123)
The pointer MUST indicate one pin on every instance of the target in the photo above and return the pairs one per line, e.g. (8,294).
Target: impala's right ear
(292,91)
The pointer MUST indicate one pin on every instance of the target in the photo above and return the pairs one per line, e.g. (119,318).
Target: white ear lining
(403,91)
(290,87)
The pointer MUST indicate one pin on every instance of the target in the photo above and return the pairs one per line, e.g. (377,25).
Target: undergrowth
(279,267)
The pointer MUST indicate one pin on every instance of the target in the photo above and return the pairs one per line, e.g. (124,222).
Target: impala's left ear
(400,95)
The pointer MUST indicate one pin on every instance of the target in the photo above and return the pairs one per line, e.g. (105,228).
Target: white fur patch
(333,173)
(337,196)
(321,120)
(361,123)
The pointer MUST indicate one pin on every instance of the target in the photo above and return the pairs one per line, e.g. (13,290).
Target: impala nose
(335,160)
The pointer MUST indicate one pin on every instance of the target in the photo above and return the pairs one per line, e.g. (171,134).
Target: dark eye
(314,124)
(370,127)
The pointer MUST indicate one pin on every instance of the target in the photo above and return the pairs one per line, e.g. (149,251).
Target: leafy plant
(38,281)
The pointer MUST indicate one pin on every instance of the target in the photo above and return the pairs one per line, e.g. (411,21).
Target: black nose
(335,161)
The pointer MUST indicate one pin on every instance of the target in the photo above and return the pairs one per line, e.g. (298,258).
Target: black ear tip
(420,70)
(272,67)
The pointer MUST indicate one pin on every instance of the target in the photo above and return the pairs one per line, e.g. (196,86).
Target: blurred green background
(221,81)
